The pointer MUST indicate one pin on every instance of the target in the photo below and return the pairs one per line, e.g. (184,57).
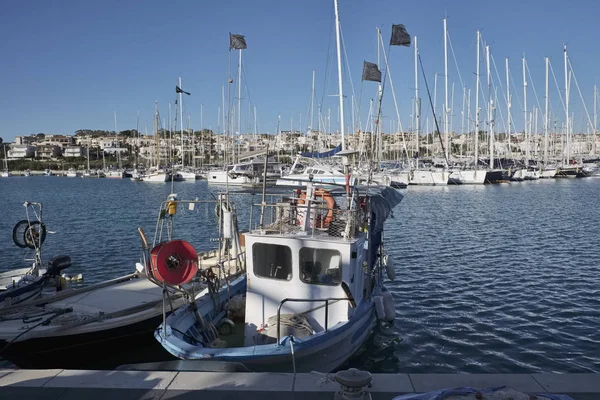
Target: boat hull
(469,177)
(429,178)
(103,349)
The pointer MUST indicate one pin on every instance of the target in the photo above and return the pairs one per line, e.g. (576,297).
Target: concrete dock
(57,384)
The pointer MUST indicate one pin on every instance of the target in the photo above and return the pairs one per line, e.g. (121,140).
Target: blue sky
(68,65)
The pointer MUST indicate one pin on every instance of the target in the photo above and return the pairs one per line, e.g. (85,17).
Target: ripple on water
(499,278)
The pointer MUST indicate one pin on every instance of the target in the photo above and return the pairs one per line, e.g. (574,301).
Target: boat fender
(388,305)
(389,267)
(226,322)
(379,307)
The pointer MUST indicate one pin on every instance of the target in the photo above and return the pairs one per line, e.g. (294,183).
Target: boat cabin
(311,270)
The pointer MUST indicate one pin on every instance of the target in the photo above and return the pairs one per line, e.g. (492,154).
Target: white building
(73,151)
(21,151)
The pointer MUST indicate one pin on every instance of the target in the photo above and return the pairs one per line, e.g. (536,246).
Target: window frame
(301,267)
(291,260)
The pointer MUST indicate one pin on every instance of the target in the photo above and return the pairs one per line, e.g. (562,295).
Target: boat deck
(77,384)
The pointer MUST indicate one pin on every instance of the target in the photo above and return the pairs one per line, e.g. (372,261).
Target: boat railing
(288,216)
(326,301)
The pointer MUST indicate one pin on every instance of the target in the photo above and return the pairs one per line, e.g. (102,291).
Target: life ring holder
(329,217)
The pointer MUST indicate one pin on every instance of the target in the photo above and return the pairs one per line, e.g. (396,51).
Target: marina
(415,242)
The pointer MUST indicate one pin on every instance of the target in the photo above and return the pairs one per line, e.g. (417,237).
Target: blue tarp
(314,154)
(462,391)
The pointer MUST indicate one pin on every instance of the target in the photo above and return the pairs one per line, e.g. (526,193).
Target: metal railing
(289,217)
(326,301)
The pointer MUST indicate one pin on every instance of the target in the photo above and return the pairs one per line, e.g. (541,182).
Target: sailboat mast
(490,106)
(339,65)
(446,108)
(566,107)
(417,101)
(117,148)
(546,119)
(477,104)
(239,107)
(157,141)
(137,131)
(312,102)
(595,120)
(508,106)
(181,123)
(525,118)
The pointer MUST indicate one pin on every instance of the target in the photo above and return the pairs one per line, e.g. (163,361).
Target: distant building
(26,139)
(48,151)
(21,151)
(73,151)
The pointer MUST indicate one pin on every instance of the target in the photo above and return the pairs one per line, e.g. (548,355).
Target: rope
(44,322)
(293,361)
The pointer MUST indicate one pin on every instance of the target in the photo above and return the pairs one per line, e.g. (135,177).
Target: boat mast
(446,108)
(137,131)
(595,120)
(117,143)
(239,107)
(525,117)
(546,119)
(312,102)
(157,141)
(490,106)
(417,100)
(566,107)
(477,104)
(508,106)
(181,123)
(339,65)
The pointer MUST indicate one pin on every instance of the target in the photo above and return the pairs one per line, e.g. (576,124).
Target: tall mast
(312,102)
(157,141)
(417,101)
(339,62)
(595,120)
(379,98)
(477,105)
(446,108)
(566,107)
(117,143)
(525,117)
(508,106)
(490,106)
(546,119)
(239,107)
(181,123)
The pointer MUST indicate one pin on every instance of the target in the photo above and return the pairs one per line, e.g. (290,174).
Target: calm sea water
(499,278)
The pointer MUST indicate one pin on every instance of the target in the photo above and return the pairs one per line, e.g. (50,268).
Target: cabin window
(320,172)
(272,261)
(320,266)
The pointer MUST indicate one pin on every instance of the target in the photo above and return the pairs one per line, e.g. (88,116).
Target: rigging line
(455,62)
(532,85)
(515,91)
(557,87)
(348,67)
(496,92)
(437,128)
(580,95)
(329,57)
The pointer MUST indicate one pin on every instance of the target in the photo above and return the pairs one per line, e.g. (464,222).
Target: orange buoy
(328,198)
(174,262)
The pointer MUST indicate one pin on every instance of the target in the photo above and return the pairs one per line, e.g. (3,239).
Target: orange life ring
(328,198)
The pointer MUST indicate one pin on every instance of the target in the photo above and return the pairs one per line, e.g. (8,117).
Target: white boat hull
(469,177)
(548,173)
(155,177)
(429,178)
(221,178)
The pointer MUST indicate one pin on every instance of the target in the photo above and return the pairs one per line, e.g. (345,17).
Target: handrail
(326,301)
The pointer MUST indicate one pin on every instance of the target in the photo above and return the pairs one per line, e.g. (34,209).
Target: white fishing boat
(24,284)
(222,177)
(429,177)
(114,173)
(109,323)
(156,176)
(468,176)
(313,289)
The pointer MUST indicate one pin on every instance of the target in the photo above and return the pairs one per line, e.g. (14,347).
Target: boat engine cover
(57,264)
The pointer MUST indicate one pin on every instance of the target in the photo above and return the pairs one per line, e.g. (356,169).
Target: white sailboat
(156,175)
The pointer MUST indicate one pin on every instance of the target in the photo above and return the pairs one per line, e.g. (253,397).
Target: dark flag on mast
(179,90)
(400,36)
(237,42)
(371,72)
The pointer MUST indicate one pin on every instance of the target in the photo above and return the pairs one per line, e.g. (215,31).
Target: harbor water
(490,279)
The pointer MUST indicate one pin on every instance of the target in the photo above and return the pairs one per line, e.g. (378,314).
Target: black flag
(237,42)
(371,72)
(399,36)
(179,90)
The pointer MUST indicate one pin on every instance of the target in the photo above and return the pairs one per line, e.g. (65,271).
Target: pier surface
(57,384)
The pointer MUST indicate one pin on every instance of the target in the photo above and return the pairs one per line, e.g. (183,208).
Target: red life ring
(174,262)
(328,198)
